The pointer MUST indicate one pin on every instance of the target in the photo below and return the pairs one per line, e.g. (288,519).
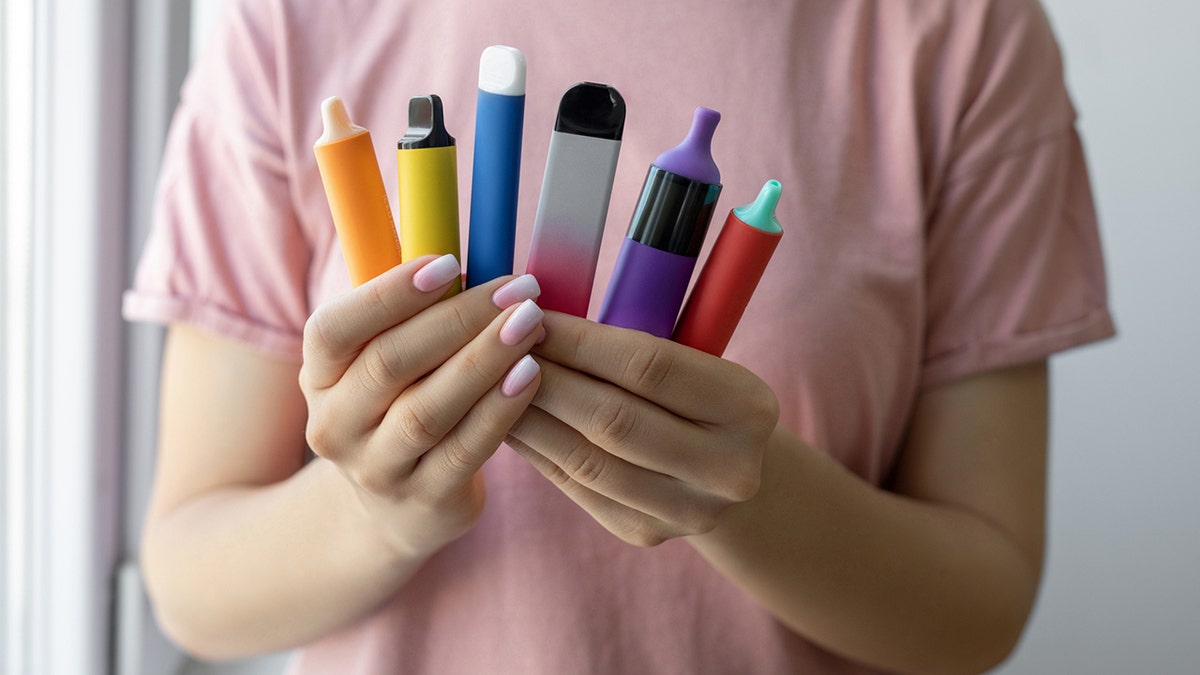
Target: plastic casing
(647,289)
(359,205)
(495,174)
(427,170)
(428,188)
(727,281)
(569,225)
(576,188)
(659,253)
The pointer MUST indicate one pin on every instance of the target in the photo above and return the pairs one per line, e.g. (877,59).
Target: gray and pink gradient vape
(573,205)
(659,253)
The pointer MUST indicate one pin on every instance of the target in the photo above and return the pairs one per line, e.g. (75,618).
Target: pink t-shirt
(938,223)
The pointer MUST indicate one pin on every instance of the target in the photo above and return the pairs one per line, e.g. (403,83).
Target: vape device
(496,167)
(357,201)
(734,267)
(427,167)
(576,188)
(659,253)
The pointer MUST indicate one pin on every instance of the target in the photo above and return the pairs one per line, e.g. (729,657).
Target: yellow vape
(427,164)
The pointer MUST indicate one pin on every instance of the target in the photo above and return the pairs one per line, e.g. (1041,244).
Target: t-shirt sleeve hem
(152,308)
(979,357)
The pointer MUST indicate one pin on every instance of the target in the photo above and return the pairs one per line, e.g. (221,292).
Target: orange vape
(357,200)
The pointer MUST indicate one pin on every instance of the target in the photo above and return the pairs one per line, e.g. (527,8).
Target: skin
(400,397)
(936,573)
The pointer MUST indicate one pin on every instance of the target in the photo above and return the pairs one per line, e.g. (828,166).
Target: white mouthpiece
(502,71)
(336,121)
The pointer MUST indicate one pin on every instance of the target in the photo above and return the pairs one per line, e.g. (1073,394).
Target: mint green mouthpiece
(761,214)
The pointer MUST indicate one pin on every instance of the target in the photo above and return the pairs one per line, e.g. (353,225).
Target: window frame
(86,90)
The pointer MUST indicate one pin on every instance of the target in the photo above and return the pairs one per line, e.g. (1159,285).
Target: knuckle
(572,340)
(473,369)
(555,474)
(319,436)
(640,534)
(767,409)
(701,518)
(379,299)
(613,421)
(760,407)
(324,436)
(649,368)
(372,481)
(459,322)
(586,464)
(704,525)
(461,508)
(317,339)
(413,428)
(380,373)
(745,488)
(459,459)
(307,380)
(740,485)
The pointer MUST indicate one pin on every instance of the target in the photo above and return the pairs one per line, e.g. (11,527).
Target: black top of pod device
(591,109)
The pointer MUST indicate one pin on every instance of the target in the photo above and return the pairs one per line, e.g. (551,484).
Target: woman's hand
(409,396)
(653,439)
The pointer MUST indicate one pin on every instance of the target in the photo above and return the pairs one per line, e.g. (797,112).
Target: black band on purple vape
(673,212)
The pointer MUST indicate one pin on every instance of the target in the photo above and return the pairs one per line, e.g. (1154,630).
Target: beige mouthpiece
(336,121)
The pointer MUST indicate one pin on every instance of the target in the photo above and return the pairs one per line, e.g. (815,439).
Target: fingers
(340,328)
(408,352)
(395,360)
(345,415)
(439,432)
(641,433)
(426,412)
(463,450)
(630,525)
(685,381)
(670,506)
(653,439)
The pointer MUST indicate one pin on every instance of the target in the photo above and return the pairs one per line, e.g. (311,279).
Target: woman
(858,486)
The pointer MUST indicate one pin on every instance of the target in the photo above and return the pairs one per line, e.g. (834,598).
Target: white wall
(1122,587)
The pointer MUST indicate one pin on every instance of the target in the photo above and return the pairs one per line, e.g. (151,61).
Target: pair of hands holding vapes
(410,396)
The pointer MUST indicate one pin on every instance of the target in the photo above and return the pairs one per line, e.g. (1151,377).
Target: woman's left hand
(654,439)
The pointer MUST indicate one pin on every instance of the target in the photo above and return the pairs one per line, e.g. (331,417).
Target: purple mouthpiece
(693,157)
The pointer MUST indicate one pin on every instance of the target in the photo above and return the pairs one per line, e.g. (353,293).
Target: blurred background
(86,92)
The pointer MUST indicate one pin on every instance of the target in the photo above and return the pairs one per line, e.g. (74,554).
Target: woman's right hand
(409,396)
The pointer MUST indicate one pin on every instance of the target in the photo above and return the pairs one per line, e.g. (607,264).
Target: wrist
(369,527)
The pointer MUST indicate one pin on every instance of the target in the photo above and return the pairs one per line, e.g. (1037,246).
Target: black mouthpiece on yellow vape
(426,125)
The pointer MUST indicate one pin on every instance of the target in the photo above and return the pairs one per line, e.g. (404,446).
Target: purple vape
(659,253)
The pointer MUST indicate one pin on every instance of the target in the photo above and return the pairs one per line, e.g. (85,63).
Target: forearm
(243,570)
(875,576)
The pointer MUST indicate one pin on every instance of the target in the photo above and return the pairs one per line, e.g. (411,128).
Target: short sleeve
(1013,267)
(226,252)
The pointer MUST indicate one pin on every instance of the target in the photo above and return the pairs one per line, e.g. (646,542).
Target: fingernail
(541,335)
(437,273)
(524,287)
(520,323)
(519,376)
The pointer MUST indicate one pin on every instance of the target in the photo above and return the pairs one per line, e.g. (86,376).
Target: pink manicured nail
(524,287)
(520,376)
(521,323)
(541,335)
(437,273)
